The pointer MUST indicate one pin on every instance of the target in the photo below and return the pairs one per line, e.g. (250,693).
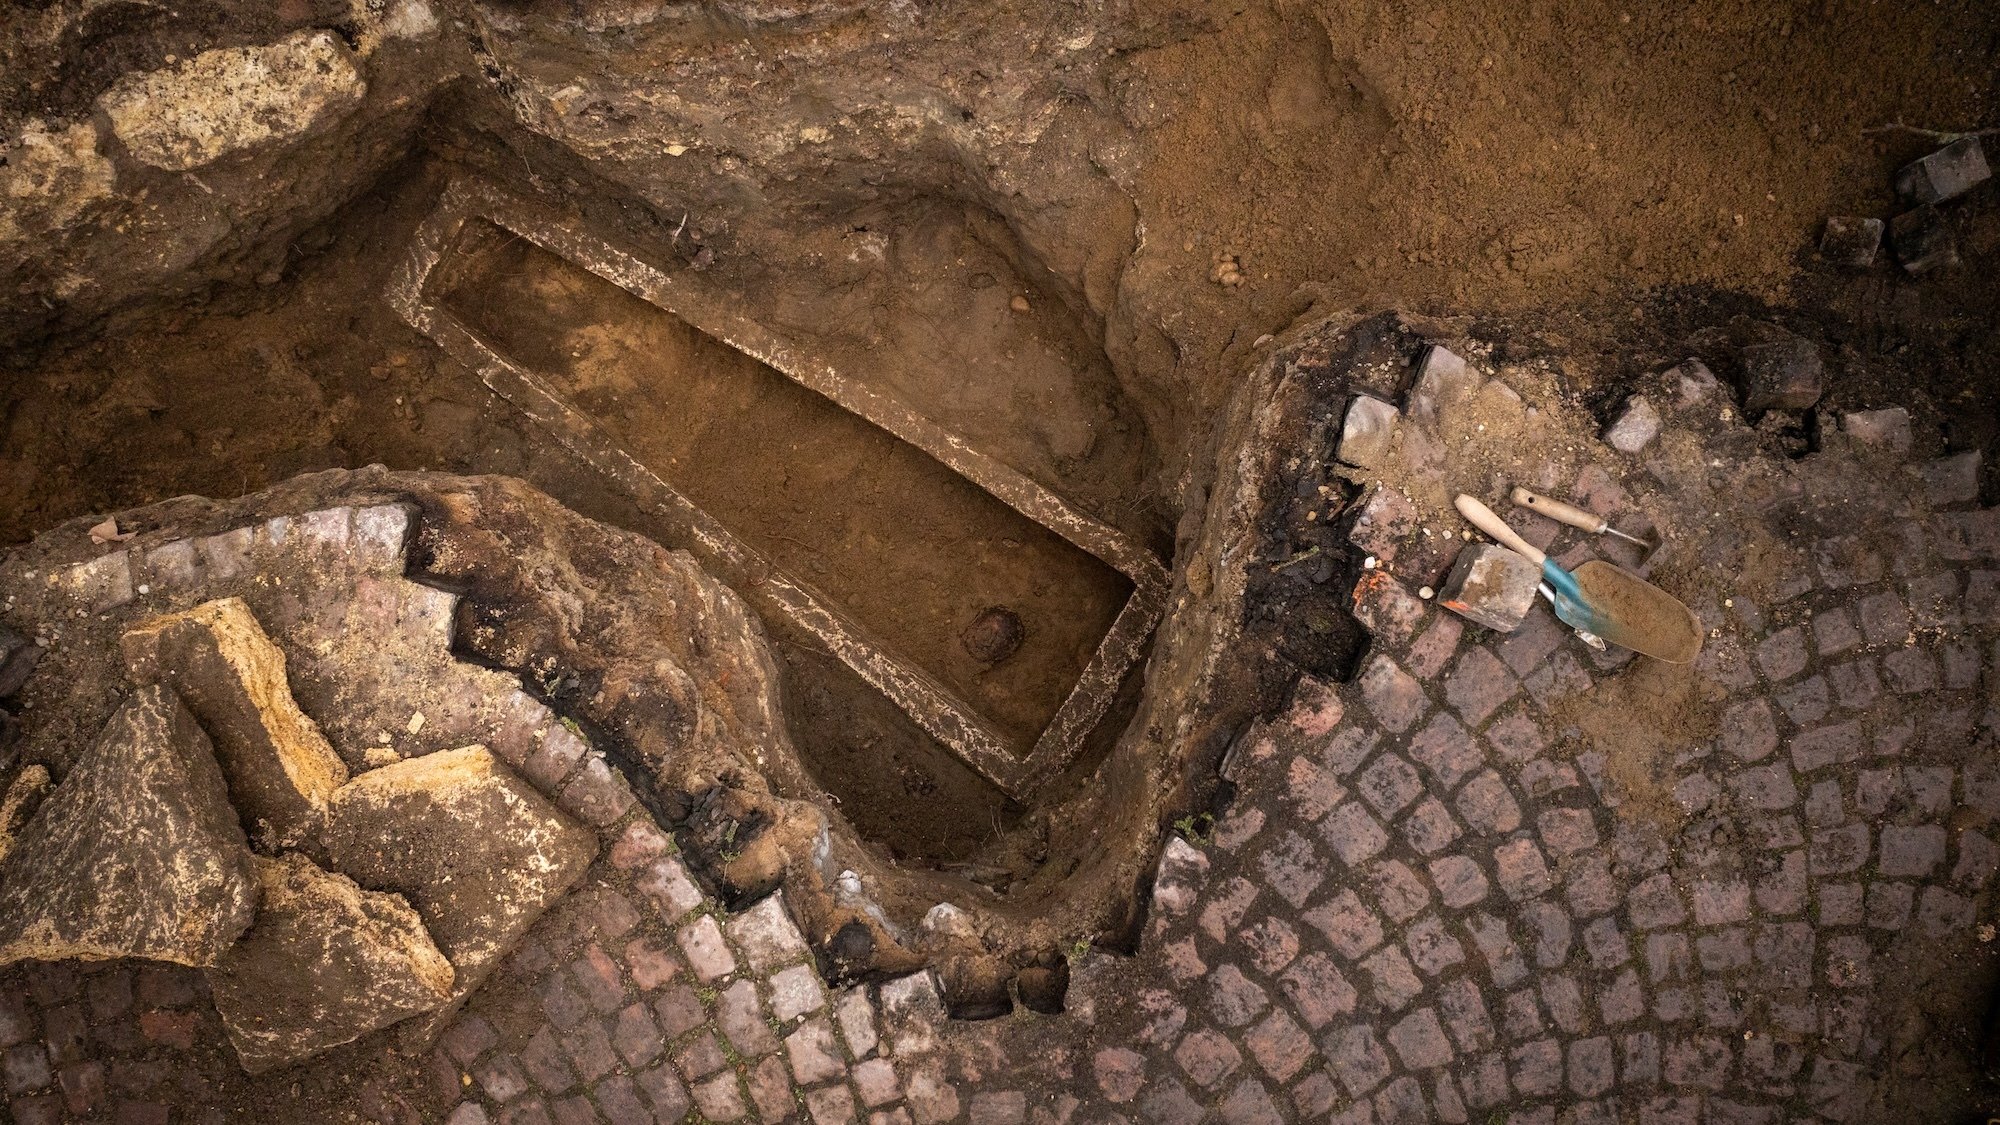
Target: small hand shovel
(1603,599)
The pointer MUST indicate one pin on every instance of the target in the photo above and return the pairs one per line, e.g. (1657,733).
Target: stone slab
(1949,172)
(137,853)
(280,768)
(469,843)
(325,963)
(1851,242)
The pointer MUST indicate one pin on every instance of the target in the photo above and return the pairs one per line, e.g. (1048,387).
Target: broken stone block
(1492,586)
(324,963)
(1851,242)
(1442,379)
(1949,172)
(1367,432)
(1923,241)
(1781,371)
(281,770)
(470,844)
(18,657)
(1883,429)
(1637,425)
(136,854)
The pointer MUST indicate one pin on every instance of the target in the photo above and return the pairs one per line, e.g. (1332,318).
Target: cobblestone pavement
(1429,902)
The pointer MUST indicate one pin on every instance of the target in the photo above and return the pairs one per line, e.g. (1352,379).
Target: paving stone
(1317,990)
(1432,947)
(324,963)
(1393,982)
(1521,870)
(1488,806)
(1207,1057)
(1782,655)
(767,935)
(666,885)
(136,853)
(1120,1074)
(1353,833)
(1357,1059)
(1392,695)
(1654,903)
(1496,946)
(1536,1068)
(1233,998)
(707,954)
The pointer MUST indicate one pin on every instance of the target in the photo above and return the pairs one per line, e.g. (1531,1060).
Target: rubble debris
(18,656)
(1781,371)
(471,845)
(1637,425)
(1923,241)
(232,100)
(1491,586)
(993,636)
(325,963)
(1227,270)
(1851,242)
(24,796)
(137,853)
(1367,432)
(1945,174)
(1887,429)
(280,768)
(1693,383)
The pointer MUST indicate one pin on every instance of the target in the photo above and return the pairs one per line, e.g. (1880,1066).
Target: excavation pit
(1000,620)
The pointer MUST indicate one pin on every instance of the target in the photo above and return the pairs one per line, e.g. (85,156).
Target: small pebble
(1426,593)
(1018,304)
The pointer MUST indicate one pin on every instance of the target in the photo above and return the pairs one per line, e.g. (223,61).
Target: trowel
(1601,599)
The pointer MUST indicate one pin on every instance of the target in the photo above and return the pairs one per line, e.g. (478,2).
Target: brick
(1781,890)
(501,1077)
(1548,931)
(1910,671)
(1280,1046)
(1911,852)
(1389,785)
(1481,684)
(813,1053)
(1516,738)
(1765,787)
(1889,905)
(1522,1016)
(1837,851)
(1622,1000)
(667,886)
(719,1099)
(599,978)
(1654,904)
(1120,1074)
(740,1017)
(1723,952)
(1463,1009)
(1717,902)
(679,1011)
(1503,957)
(701,942)
(795,992)
(590,1051)
(1825,746)
(1566,832)
(650,965)
(543,1061)
(1806,702)
(598,795)
(1292,867)
(1855,684)
(767,935)
(1835,632)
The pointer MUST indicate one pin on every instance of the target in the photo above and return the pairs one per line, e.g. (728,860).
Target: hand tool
(1580,518)
(1603,599)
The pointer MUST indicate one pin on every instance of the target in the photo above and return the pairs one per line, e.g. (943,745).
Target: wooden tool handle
(1561,512)
(1482,517)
